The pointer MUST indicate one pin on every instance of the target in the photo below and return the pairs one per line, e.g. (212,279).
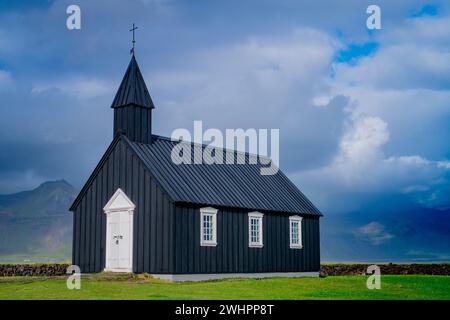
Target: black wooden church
(140,212)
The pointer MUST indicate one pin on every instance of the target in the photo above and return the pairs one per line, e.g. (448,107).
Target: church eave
(132,104)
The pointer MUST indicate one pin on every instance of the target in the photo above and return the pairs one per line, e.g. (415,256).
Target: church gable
(117,168)
(120,168)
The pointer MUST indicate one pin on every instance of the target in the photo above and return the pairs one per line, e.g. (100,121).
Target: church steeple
(132,89)
(133,106)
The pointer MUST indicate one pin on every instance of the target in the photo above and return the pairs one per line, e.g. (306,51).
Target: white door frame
(119,203)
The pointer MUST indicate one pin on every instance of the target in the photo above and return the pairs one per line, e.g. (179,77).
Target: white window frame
(298,245)
(259,216)
(213,213)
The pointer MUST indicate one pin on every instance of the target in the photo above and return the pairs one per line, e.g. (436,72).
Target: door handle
(117,238)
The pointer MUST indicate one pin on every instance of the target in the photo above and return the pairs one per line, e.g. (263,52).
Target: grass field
(106,286)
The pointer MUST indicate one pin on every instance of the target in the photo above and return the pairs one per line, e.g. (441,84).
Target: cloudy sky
(363,114)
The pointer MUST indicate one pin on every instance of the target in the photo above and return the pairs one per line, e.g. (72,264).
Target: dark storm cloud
(257,64)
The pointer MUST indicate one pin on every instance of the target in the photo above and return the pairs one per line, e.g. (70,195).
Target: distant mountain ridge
(36,225)
(394,235)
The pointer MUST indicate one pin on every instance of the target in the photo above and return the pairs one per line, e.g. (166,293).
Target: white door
(119,241)
(113,248)
(119,233)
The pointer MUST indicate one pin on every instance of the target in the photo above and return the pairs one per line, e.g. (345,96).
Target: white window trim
(298,245)
(213,213)
(259,216)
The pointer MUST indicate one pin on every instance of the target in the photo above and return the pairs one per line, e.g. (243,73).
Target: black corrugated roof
(132,89)
(229,185)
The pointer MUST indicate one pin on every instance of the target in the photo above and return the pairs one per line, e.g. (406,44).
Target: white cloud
(429,31)
(361,166)
(263,74)
(390,100)
(374,232)
(263,82)
(20,180)
(443,164)
(417,161)
(361,144)
(286,82)
(398,95)
(406,83)
(81,88)
(413,55)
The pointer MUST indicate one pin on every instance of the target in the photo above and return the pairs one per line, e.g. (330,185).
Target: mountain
(415,235)
(36,225)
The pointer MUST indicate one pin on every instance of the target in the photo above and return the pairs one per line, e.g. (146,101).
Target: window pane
(255,225)
(208,227)
(295,232)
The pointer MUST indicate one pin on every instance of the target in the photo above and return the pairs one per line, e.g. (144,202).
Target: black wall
(167,236)
(152,217)
(232,253)
(135,122)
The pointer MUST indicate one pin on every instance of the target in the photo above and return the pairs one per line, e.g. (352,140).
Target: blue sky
(363,115)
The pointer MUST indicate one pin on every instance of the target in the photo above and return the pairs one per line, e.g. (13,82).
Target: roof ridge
(206,145)
(233,186)
(237,186)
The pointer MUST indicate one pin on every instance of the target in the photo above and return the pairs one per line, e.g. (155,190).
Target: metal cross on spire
(132,29)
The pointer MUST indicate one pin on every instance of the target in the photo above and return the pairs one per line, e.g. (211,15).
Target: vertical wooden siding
(135,122)
(167,237)
(152,217)
(232,254)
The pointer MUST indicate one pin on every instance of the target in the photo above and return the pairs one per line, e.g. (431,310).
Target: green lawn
(106,286)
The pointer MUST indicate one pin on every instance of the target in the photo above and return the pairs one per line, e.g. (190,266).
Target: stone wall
(360,269)
(54,269)
(59,269)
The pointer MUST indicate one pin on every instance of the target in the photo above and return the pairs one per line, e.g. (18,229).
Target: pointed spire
(132,90)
